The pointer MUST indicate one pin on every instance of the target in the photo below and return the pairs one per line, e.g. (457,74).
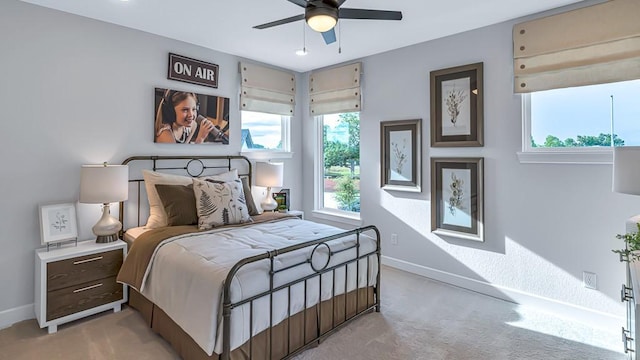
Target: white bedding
(196,266)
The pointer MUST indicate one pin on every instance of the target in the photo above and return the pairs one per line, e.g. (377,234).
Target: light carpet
(420,319)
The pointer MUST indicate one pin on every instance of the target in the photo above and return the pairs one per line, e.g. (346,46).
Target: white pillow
(220,204)
(157,214)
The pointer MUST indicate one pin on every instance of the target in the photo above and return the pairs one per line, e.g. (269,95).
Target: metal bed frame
(197,166)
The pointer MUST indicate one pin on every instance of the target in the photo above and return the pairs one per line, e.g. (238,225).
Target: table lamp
(104,184)
(269,175)
(626,177)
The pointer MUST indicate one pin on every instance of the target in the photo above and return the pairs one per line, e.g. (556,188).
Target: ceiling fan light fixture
(321,19)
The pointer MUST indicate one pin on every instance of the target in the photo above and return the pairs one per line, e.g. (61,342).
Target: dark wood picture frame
(400,155)
(287,198)
(457,197)
(457,106)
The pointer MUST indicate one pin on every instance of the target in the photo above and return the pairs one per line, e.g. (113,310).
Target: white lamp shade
(269,174)
(626,169)
(102,184)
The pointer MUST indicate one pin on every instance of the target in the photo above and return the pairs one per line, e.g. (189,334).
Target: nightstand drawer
(82,269)
(83,296)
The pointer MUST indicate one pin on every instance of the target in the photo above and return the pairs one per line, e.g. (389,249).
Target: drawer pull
(87,288)
(87,260)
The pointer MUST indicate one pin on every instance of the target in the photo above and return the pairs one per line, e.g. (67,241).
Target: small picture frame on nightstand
(58,223)
(282,198)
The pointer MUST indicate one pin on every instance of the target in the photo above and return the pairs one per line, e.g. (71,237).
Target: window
(579,121)
(264,92)
(264,132)
(338,164)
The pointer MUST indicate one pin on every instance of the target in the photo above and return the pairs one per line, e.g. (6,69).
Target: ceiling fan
(322,16)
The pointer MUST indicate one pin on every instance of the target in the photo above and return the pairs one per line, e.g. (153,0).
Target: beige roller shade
(592,45)
(335,90)
(267,90)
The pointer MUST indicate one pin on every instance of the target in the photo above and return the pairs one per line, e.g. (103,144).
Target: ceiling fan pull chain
(339,38)
(304,38)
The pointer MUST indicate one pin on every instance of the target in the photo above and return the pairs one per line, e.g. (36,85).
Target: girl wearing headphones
(176,119)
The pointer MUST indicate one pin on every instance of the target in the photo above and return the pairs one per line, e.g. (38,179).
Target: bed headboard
(135,210)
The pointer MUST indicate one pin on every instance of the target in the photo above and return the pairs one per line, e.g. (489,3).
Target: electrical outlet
(589,280)
(394,239)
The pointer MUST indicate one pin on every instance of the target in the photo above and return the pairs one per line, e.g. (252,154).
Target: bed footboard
(343,306)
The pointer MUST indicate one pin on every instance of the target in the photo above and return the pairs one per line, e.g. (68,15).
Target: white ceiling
(226,25)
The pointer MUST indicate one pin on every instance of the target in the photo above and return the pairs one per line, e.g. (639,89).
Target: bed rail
(318,272)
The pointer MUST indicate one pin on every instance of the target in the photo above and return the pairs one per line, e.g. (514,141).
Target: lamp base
(269,203)
(107,228)
(106,238)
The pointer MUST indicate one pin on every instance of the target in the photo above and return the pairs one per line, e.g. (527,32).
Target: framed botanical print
(57,222)
(457,197)
(400,155)
(457,106)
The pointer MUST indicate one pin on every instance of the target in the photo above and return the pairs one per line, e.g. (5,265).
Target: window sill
(266,155)
(593,157)
(338,216)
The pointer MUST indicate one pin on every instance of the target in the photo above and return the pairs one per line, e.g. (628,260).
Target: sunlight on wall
(413,212)
(522,275)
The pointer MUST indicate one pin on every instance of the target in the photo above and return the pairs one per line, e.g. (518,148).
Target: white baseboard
(12,316)
(577,313)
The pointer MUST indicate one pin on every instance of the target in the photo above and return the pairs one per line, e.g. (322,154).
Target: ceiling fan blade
(280,22)
(340,2)
(369,14)
(329,36)
(301,3)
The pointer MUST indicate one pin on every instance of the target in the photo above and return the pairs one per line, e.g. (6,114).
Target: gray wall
(77,91)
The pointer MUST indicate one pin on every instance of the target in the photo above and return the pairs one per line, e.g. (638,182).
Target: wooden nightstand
(77,281)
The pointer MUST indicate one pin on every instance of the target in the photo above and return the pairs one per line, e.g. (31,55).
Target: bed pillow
(220,204)
(157,215)
(248,196)
(179,204)
(230,175)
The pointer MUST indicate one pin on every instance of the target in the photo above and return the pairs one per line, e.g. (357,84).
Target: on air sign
(193,71)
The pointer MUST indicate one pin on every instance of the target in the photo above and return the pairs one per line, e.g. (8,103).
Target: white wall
(545,224)
(76,91)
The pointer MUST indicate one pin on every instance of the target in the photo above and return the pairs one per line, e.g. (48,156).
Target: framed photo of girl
(400,155)
(457,197)
(457,108)
(184,117)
